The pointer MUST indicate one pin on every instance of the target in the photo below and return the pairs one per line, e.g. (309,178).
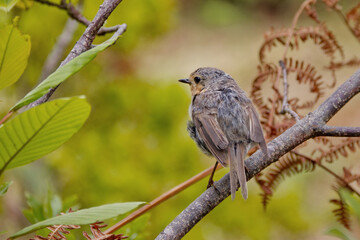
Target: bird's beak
(185,80)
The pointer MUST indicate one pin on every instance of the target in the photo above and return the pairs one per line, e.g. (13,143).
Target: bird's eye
(197,79)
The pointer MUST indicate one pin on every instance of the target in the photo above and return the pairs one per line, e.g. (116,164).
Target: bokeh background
(134,146)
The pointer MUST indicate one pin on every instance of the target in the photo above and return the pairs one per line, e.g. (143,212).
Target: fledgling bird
(224,122)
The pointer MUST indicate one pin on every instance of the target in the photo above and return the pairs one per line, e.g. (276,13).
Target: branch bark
(303,130)
(285,105)
(334,131)
(86,40)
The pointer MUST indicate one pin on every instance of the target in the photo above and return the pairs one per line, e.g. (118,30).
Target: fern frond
(58,232)
(353,19)
(266,72)
(332,4)
(305,74)
(320,35)
(311,12)
(97,234)
(341,212)
(323,140)
(288,165)
(342,149)
(353,62)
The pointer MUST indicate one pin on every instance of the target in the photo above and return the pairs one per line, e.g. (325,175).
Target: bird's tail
(237,169)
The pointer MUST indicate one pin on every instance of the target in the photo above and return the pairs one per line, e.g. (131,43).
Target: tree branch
(75,14)
(334,131)
(285,105)
(292,137)
(86,40)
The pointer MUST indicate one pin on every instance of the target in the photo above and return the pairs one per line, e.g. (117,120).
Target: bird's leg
(211,181)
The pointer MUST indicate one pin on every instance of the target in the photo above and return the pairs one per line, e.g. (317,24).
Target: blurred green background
(134,146)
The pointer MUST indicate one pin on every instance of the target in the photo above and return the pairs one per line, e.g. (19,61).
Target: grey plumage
(224,122)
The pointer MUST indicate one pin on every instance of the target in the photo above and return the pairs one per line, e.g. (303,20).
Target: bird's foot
(211,184)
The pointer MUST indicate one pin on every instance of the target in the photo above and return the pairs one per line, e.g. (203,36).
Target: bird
(224,122)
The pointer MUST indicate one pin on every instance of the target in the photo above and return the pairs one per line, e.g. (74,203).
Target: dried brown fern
(341,212)
(270,108)
(97,234)
(320,35)
(353,62)
(311,12)
(57,232)
(269,74)
(323,140)
(287,166)
(353,19)
(266,72)
(332,4)
(305,74)
(341,149)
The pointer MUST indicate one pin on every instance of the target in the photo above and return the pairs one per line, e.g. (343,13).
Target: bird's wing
(211,133)
(256,133)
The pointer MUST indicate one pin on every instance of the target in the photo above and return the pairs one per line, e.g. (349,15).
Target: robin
(224,122)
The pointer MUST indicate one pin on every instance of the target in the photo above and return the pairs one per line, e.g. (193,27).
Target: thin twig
(85,41)
(294,22)
(172,192)
(75,14)
(6,117)
(275,97)
(285,105)
(334,131)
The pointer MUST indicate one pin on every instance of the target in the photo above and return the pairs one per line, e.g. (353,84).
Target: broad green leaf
(14,54)
(353,201)
(40,130)
(4,187)
(84,216)
(63,73)
(7,5)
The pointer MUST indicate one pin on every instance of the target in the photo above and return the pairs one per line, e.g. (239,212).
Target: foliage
(14,53)
(51,206)
(7,5)
(83,216)
(40,130)
(4,187)
(63,73)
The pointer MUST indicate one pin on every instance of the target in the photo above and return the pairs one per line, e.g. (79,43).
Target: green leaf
(84,216)
(4,187)
(14,54)
(7,5)
(340,233)
(36,211)
(353,201)
(40,130)
(63,73)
